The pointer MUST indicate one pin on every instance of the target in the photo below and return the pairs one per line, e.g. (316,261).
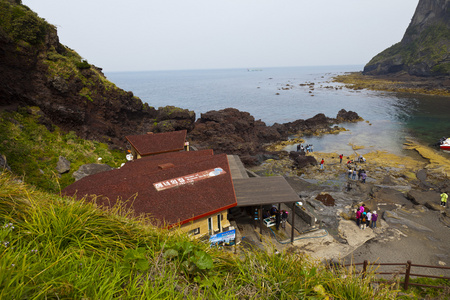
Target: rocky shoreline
(399,82)
(404,190)
(236,132)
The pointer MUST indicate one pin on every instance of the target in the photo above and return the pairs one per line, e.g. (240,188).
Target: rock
(394,218)
(89,169)
(63,165)
(423,197)
(301,160)
(235,132)
(347,116)
(390,196)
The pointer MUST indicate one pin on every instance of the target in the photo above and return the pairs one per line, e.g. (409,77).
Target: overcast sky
(139,35)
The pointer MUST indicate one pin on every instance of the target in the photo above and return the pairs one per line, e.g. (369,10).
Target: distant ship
(251,70)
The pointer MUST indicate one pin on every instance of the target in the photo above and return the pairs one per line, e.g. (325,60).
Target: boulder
(63,165)
(301,160)
(395,218)
(423,197)
(90,169)
(390,196)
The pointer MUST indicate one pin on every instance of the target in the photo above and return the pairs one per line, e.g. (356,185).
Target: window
(195,231)
(219,223)
(210,226)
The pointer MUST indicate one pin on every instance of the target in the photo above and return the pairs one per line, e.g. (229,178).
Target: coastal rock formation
(36,70)
(424,49)
(235,132)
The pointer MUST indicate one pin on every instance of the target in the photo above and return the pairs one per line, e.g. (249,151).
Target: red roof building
(193,189)
(157,143)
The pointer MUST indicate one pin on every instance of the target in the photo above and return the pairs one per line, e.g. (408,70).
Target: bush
(83,65)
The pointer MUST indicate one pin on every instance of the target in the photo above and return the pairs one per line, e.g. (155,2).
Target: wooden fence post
(408,271)
(364,269)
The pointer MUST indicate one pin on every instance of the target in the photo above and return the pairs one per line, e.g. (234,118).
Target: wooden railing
(407,273)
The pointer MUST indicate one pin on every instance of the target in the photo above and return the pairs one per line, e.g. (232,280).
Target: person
(362,208)
(273,210)
(363,220)
(358,217)
(277,220)
(374,219)
(369,217)
(311,148)
(321,164)
(363,176)
(359,174)
(444,198)
(307,149)
(349,172)
(340,158)
(298,147)
(354,174)
(284,217)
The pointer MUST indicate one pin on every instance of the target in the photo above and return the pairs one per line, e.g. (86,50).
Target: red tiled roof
(155,143)
(150,164)
(172,206)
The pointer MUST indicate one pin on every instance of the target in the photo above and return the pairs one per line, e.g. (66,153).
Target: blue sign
(223,238)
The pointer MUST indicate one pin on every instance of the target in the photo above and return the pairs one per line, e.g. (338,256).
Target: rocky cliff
(36,70)
(425,47)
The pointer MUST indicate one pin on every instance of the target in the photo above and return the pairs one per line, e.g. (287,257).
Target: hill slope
(425,47)
(36,70)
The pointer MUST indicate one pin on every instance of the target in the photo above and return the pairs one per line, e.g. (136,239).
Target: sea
(280,95)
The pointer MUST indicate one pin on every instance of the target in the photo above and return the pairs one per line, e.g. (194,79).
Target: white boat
(445,144)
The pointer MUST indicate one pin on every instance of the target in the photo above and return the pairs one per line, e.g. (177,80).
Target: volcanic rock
(90,169)
(63,165)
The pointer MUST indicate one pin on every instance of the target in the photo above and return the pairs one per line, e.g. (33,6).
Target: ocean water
(279,95)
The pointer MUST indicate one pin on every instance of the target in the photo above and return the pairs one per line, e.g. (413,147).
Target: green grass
(58,248)
(32,151)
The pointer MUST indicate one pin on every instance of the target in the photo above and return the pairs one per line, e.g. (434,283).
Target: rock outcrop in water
(425,47)
(235,132)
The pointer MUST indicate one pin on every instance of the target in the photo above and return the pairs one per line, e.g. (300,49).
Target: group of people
(365,218)
(361,173)
(280,216)
(308,148)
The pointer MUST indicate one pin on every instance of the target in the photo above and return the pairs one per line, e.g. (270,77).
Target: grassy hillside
(54,248)
(32,151)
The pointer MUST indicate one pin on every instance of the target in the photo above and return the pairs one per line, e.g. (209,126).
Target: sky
(143,35)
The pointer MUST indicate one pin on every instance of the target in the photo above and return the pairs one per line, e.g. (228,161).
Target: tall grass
(58,248)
